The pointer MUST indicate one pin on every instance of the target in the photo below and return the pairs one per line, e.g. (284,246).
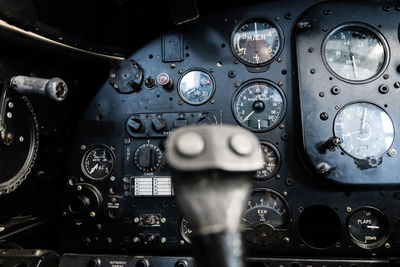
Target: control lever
(212,169)
(54,88)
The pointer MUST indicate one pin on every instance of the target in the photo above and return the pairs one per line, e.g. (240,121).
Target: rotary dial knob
(148,157)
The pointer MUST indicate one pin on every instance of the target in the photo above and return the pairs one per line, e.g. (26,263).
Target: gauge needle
(373,227)
(363,119)
(191,91)
(94,168)
(243,219)
(354,66)
(255,30)
(350,134)
(248,116)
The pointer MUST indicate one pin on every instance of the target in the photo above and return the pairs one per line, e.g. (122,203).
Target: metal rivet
(312,71)
(9,115)
(83,147)
(163,220)
(10,104)
(92,214)
(286,239)
(79,188)
(163,240)
(348,209)
(387,245)
(324,116)
(392,152)
(112,178)
(241,144)
(127,141)
(21,139)
(190,144)
(136,220)
(136,239)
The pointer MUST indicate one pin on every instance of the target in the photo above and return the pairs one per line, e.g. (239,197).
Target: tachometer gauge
(256,42)
(368,227)
(365,129)
(272,161)
(259,105)
(98,162)
(355,53)
(196,87)
(266,219)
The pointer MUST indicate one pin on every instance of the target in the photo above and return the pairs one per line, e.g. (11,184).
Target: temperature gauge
(98,162)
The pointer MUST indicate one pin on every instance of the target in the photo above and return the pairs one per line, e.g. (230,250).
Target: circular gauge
(266,219)
(98,162)
(272,161)
(186,230)
(368,227)
(366,130)
(196,87)
(355,53)
(259,105)
(256,42)
(148,157)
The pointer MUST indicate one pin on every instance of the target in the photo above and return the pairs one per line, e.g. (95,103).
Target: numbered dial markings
(368,228)
(272,161)
(256,42)
(365,129)
(196,87)
(98,162)
(355,53)
(266,219)
(186,230)
(259,106)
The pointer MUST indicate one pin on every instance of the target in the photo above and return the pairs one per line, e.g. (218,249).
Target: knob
(79,205)
(158,123)
(148,157)
(181,263)
(134,125)
(95,262)
(149,239)
(126,77)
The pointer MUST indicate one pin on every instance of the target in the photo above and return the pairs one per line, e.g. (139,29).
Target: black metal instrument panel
(132,207)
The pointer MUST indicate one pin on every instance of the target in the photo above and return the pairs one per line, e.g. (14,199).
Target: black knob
(126,76)
(134,125)
(79,205)
(158,123)
(148,157)
(95,262)
(142,263)
(149,239)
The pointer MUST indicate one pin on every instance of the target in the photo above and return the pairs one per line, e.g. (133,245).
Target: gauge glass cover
(365,130)
(368,227)
(256,42)
(186,230)
(355,53)
(98,162)
(196,87)
(266,218)
(259,106)
(272,161)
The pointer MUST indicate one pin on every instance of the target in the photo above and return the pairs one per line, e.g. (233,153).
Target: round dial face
(272,161)
(366,130)
(355,53)
(98,162)
(266,218)
(148,157)
(258,106)
(186,230)
(368,228)
(196,87)
(256,42)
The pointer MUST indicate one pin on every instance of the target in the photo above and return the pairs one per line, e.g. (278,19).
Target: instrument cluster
(327,130)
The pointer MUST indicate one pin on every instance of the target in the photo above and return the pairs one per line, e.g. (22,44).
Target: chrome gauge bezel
(90,149)
(361,102)
(269,83)
(278,164)
(257,19)
(367,27)
(183,234)
(184,98)
(379,242)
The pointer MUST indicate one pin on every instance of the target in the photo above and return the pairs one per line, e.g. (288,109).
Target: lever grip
(54,88)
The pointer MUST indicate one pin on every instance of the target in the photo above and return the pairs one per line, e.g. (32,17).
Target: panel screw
(325,29)
(112,178)
(231,74)
(163,220)
(181,242)
(284,193)
(125,179)
(279,59)
(324,116)
(348,209)
(136,220)
(321,94)
(286,239)
(190,144)
(312,71)
(127,141)
(386,76)
(92,214)
(387,245)
(9,115)
(383,89)
(10,104)
(236,85)
(163,240)
(397,84)
(136,239)
(392,152)
(335,90)
(288,16)
(83,147)
(79,188)
(327,11)
(310,50)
